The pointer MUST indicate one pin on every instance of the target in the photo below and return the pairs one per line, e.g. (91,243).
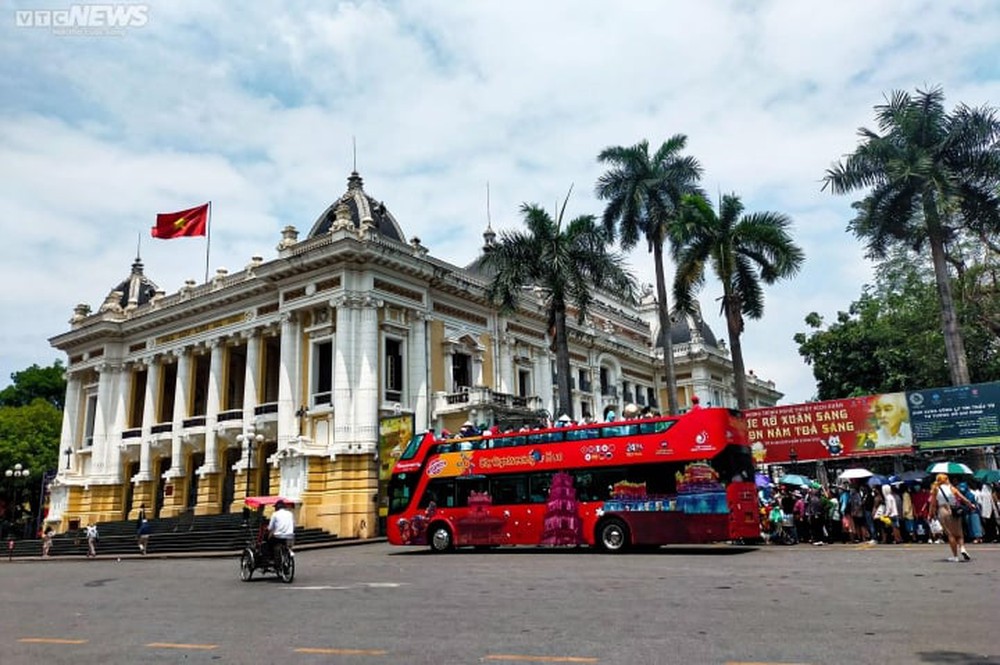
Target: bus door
(743,519)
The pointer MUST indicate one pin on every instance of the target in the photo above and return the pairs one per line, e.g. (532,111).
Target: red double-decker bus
(649,482)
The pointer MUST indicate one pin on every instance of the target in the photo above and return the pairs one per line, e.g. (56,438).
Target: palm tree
(566,263)
(743,250)
(644,194)
(931,174)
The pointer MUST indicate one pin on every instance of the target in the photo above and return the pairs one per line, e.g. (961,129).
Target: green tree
(744,251)
(566,262)
(930,174)
(644,194)
(890,339)
(47,383)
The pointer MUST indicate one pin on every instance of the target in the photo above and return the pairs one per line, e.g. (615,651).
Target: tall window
(605,382)
(199,398)
(393,370)
(138,401)
(169,387)
(461,371)
(91,419)
(236,376)
(524,383)
(272,367)
(322,373)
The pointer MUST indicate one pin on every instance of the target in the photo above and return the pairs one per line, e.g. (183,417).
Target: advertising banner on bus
(869,425)
(956,416)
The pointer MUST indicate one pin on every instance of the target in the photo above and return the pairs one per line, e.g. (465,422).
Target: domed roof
(135,291)
(355,209)
(489,241)
(687,328)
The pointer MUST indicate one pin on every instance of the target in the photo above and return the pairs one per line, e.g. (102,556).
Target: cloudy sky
(254,106)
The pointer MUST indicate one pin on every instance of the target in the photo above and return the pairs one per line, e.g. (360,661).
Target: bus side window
(466,486)
(441,491)
(539,484)
(507,490)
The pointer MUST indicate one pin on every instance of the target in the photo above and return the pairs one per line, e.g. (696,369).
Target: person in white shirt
(281,527)
(988,512)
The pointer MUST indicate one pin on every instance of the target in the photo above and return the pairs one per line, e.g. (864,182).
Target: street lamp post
(249,438)
(14,487)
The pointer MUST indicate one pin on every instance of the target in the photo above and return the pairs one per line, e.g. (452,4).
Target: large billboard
(869,425)
(394,432)
(956,416)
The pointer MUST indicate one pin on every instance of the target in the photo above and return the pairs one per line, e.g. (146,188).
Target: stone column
(180,413)
(543,368)
(214,399)
(417,359)
(121,382)
(344,373)
(505,358)
(102,415)
(149,417)
(250,393)
(288,371)
(69,436)
(368,387)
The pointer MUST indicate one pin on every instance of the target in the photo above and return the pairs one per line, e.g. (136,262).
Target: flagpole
(208,239)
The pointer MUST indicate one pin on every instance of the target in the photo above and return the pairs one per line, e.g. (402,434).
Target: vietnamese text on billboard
(870,425)
(956,416)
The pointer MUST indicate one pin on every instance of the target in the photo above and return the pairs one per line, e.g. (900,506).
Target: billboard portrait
(394,432)
(869,425)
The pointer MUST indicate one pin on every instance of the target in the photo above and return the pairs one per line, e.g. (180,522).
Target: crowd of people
(933,511)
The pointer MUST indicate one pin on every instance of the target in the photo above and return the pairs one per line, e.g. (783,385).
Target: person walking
(142,536)
(945,502)
(46,542)
(92,537)
(988,512)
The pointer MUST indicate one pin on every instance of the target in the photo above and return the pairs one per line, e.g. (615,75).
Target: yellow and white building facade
(279,378)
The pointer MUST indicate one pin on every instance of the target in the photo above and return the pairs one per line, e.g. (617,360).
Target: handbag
(959,510)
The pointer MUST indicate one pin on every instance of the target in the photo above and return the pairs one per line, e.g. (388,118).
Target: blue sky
(254,106)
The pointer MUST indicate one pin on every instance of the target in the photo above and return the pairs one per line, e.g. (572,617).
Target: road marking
(50,640)
(315,588)
(540,659)
(169,645)
(341,652)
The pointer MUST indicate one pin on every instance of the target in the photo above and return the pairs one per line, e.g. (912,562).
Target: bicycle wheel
(285,565)
(246,566)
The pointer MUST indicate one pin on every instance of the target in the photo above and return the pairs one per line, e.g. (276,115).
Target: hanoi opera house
(275,379)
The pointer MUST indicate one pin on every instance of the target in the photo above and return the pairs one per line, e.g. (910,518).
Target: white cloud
(255,107)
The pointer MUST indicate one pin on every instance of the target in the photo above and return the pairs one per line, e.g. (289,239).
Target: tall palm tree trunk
(734,327)
(663,309)
(954,346)
(565,404)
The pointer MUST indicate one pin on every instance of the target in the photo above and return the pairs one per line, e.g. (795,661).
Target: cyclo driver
(281,527)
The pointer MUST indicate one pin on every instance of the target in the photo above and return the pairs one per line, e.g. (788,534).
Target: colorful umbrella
(950,468)
(761,480)
(913,476)
(876,480)
(855,474)
(988,475)
(794,479)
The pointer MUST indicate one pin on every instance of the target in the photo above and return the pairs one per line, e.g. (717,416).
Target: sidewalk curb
(216,554)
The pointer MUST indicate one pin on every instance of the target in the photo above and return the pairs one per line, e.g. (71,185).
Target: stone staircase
(177,535)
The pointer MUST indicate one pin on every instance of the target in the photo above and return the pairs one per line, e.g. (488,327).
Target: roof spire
(489,237)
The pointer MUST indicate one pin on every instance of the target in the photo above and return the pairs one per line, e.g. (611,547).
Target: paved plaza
(375,604)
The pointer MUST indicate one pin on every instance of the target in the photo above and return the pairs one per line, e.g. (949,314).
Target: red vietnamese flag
(191,222)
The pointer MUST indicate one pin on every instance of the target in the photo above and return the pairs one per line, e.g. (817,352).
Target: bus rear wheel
(440,538)
(612,535)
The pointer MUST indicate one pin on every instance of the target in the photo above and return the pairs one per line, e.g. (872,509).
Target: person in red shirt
(921,499)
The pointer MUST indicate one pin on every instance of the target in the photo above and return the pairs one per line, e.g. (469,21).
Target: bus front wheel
(440,538)
(612,535)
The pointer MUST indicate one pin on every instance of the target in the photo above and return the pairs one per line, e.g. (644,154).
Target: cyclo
(257,554)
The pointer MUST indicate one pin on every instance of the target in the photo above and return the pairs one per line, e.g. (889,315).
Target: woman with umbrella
(944,502)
